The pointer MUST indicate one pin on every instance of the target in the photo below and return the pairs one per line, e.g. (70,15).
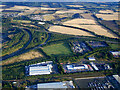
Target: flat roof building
(40,68)
(91,58)
(94,66)
(56,85)
(74,67)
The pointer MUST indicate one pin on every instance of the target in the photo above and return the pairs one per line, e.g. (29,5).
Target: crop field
(114,46)
(43,8)
(105,11)
(94,28)
(57,49)
(97,29)
(22,21)
(112,25)
(26,56)
(2,5)
(79,21)
(66,30)
(71,11)
(21,8)
(27,10)
(75,5)
(48,17)
(87,16)
(113,16)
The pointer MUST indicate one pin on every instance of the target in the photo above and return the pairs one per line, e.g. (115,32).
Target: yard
(57,49)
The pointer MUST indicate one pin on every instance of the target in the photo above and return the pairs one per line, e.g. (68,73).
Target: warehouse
(57,85)
(77,67)
(40,68)
(91,59)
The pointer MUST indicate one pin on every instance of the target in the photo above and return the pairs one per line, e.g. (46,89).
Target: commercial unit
(117,77)
(39,68)
(115,53)
(76,67)
(91,59)
(56,85)
(94,66)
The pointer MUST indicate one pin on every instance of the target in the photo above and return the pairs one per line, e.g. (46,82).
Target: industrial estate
(60,45)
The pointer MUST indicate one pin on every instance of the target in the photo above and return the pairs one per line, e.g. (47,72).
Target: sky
(60,0)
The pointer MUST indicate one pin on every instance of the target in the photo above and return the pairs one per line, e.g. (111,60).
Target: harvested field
(43,8)
(48,17)
(106,11)
(2,5)
(97,29)
(66,30)
(79,21)
(22,21)
(1,10)
(112,25)
(87,16)
(21,8)
(27,10)
(113,16)
(71,11)
(75,5)
(27,56)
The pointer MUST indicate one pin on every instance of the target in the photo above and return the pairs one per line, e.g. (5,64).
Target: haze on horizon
(59,0)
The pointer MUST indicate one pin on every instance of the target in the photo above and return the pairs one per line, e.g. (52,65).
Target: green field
(115,46)
(57,49)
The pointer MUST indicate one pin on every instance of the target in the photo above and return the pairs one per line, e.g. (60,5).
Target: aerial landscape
(60,45)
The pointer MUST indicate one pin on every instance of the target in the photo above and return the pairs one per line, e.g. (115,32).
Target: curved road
(21,49)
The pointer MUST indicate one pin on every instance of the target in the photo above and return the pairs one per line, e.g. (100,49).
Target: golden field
(44,8)
(2,5)
(79,21)
(48,17)
(106,11)
(71,11)
(113,16)
(27,56)
(66,30)
(21,8)
(96,29)
(75,5)
(87,16)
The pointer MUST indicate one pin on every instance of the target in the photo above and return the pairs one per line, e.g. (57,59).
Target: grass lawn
(57,49)
(115,46)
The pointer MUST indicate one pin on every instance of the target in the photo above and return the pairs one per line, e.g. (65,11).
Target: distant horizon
(59,0)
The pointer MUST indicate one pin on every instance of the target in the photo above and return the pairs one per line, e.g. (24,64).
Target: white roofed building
(91,59)
(40,68)
(56,85)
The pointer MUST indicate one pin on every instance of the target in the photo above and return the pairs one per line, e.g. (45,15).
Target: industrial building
(40,68)
(71,68)
(91,59)
(94,66)
(115,53)
(100,66)
(76,67)
(56,85)
(117,77)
